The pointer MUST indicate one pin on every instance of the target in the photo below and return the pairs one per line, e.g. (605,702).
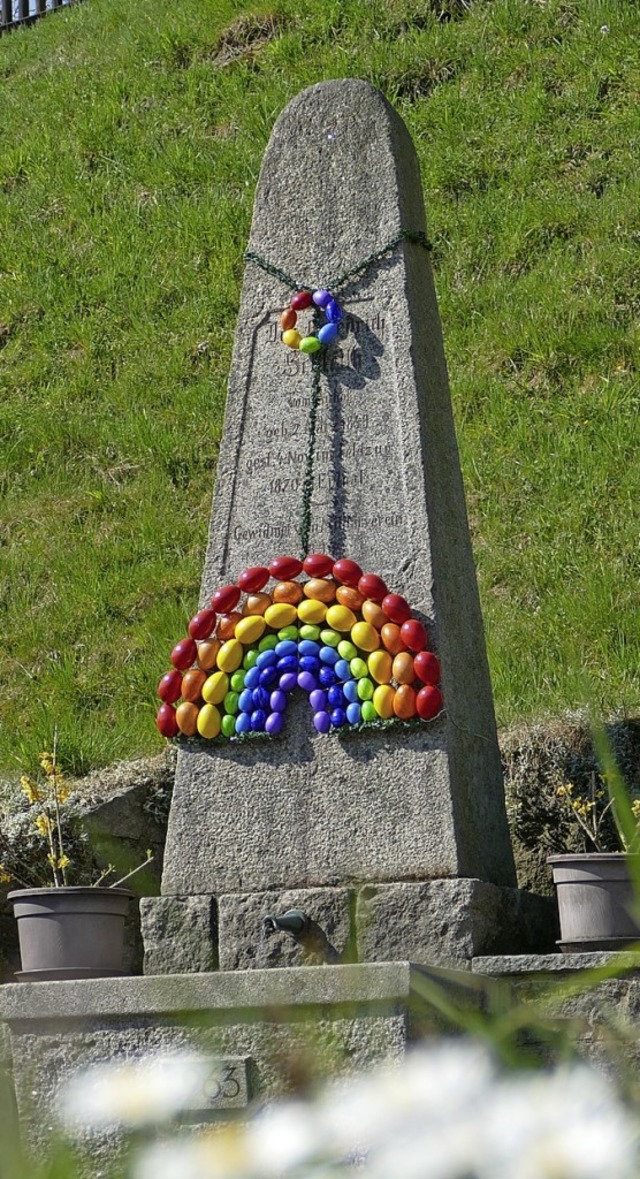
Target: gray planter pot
(595,901)
(70,932)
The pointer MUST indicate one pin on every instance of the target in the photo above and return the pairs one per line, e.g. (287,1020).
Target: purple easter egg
(307,681)
(274,723)
(278,701)
(318,700)
(288,681)
(322,722)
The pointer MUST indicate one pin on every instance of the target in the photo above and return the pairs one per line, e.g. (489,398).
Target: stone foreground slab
(340,179)
(259,1025)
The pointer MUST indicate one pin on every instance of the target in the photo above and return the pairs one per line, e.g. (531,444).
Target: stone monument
(351,856)
(392,843)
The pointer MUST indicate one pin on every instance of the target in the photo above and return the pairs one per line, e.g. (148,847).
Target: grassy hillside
(131,139)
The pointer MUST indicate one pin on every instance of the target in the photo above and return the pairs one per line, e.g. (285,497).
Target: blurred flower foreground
(448,1111)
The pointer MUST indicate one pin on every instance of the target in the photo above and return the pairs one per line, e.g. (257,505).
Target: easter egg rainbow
(316,625)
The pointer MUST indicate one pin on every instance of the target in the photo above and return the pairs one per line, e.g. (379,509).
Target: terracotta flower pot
(596,902)
(70,932)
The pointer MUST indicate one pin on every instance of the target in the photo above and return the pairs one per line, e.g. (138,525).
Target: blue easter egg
(258,720)
(308,647)
(350,690)
(333,312)
(328,333)
(243,722)
(342,669)
(338,717)
(286,647)
(252,678)
(354,713)
(245,701)
(329,655)
(268,677)
(326,676)
(260,697)
(335,696)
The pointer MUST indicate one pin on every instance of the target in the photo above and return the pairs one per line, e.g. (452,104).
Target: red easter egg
(428,702)
(166,721)
(285,568)
(397,609)
(202,624)
(170,687)
(318,565)
(414,634)
(288,319)
(301,300)
(426,667)
(225,598)
(184,654)
(252,580)
(347,572)
(372,586)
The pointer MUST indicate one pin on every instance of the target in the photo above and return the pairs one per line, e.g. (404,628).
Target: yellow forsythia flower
(44,825)
(30,789)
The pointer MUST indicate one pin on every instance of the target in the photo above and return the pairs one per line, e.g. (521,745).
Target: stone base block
(244,943)
(180,934)
(449,922)
(265,1031)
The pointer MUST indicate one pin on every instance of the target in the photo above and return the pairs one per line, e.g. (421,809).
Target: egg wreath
(327,334)
(355,649)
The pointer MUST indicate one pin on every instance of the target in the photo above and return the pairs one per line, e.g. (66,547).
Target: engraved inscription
(358,487)
(225,1087)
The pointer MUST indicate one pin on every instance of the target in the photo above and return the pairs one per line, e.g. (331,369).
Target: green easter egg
(330,638)
(230,702)
(358,668)
(368,711)
(228,726)
(309,631)
(250,660)
(267,643)
(365,689)
(237,681)
(288,632)
(346,650)
(310,344)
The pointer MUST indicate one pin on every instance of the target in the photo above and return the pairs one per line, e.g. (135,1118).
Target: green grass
(131,140)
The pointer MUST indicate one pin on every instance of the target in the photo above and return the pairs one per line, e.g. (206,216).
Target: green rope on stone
(419,238)
(307,486)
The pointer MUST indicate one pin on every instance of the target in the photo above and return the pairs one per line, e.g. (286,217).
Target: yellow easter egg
(251,628)
(209,721)
(383,700)
(216,687)
(341,618)
(291,338)
(311,610)
(280,614)
(380,663)
(230,655)
(365,636)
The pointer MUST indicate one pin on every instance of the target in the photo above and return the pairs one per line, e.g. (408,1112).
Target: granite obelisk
(339,181)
